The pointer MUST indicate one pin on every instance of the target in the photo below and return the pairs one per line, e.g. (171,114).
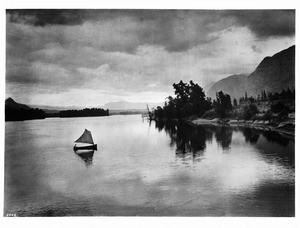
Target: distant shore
(285,128)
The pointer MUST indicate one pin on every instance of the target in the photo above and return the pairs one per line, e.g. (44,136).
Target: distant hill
(208,86)
(15,111)
(120,107)
(114,107)
(55,109)
(272,75)
(10,103)
(235,85)
(125,105)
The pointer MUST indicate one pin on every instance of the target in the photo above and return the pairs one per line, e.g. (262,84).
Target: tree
(278,107)
(251,99)
(289,94)
(249,111)
(189,100)
(197,99)
(159,112)
(223,104)
(170,108)
(235,102)
(246,96)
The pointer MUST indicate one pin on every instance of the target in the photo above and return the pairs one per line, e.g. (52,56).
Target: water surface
(144,169)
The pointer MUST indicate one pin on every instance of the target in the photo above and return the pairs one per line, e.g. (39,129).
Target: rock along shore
(285,128)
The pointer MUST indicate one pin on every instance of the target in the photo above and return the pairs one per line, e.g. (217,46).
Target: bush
(267,115)
(283,115)
(249,111)
(278,107)
(236,114)
(211,114)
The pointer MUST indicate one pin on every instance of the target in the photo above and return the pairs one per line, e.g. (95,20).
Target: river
(146,169)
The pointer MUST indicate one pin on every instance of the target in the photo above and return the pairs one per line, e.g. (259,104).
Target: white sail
(86,137)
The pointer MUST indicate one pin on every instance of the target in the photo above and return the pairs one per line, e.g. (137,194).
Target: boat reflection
(86,156)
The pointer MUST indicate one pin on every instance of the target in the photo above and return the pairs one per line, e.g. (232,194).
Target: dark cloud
(176,30)
(43,17)
(40,17)
(265,23)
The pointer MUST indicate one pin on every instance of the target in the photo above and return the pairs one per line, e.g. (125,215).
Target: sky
(90,57)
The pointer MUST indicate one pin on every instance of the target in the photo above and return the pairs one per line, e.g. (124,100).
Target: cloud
(98,71)
(175,30)
(255,49)
(39,17)
(133,52)
(266,23)
(39,73)
(123,30)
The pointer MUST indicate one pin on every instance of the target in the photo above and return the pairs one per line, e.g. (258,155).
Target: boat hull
(91,147)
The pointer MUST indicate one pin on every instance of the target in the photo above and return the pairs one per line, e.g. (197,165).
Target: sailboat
(85,138)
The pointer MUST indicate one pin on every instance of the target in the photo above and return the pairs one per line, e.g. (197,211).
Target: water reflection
(223,136)
(86,156)
(251,135)
(208,171)
(190,140)
(275,138)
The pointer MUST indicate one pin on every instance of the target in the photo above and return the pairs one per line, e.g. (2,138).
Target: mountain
(125,105)
(208,86)
(272,75)
(10,103)
(234,85)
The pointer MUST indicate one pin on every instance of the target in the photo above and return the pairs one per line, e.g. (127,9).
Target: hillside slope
(234,85)
(272,75)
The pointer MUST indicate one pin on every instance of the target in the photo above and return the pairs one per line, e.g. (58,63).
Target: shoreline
(283,128)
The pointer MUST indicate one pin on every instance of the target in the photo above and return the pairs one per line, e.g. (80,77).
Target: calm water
(142,169)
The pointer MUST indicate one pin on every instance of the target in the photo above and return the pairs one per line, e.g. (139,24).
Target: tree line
(12,114)
(190,100)
(84,112)
(285,94)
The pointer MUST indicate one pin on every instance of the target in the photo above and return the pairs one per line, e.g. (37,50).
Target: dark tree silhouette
(189,100)
(12,114)
(235,102)
(223,104)
(84,112)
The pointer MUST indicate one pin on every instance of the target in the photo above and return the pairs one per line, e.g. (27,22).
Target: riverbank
(284,128)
